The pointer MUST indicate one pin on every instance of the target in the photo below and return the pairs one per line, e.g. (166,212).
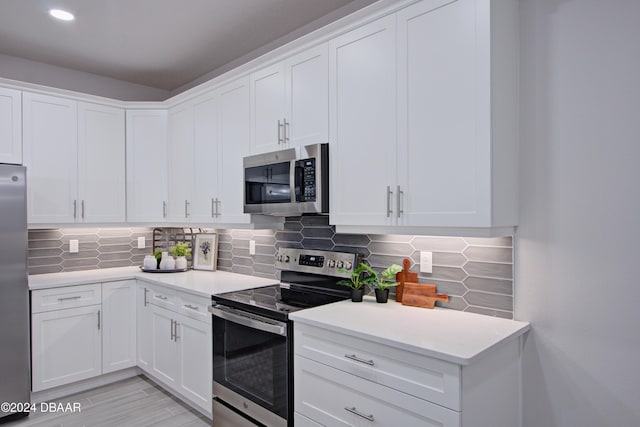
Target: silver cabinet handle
(213,204)
(400,196)
(146,302)
(389,194)
(286,131)
(82,208)
(353,410)
(162,297)
(357,359)
(280,139)
(164,209)
(186,208)
(192,307)
(69,298)
(171,330)
(98,319)
(218,202)
(175,330)
(75,209)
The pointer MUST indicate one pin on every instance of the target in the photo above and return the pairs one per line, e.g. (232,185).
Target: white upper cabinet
(10,126)
(363,126)
(234,145)
(74,153)
(289,102)
(146,165)
(101,163)
(208,138)
(51,157)
(206,156)
(453,160)
(180,172)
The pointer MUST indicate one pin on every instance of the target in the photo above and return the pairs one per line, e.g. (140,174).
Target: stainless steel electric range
(252,337)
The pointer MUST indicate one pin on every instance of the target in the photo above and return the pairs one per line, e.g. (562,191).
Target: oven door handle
(234,316)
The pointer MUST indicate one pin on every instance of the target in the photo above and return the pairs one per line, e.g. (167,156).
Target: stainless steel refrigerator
(15,382)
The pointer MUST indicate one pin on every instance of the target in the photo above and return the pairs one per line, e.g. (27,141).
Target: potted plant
(356,281)
(181,251)
(158,255)
(382,281)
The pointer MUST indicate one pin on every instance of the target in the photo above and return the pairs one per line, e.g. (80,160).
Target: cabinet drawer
(195,306)
(162,297)
(426,378)
(65,297)
(333,398)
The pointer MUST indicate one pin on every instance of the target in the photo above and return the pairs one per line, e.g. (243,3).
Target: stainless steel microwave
(281,183)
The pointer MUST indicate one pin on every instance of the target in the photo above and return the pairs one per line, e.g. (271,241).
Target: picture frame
(205,251)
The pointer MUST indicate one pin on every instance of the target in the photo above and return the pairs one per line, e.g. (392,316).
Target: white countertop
(204,283)
(450,335)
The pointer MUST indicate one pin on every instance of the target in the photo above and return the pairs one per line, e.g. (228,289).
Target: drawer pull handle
(192,307)
(357,359)
(69,298)
(162,297)
(358,413)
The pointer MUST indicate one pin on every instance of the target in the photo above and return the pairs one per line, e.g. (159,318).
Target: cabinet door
(307,96)
(144,328)
(362,111)
(206,157)
(119,325)
(66,346)
(180,163)
(10,126)
(101,163)
(51,157)
(165,349)
(234,137)
(195,345)
(146,165)
(267,109)
(445,176)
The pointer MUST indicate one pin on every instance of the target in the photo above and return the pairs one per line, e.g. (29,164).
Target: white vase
(167,262)
(181,263)
(150,263)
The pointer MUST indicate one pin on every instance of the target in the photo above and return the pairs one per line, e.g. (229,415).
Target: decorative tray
(178,270)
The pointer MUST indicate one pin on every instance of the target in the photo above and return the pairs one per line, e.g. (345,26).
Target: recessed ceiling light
(63,15)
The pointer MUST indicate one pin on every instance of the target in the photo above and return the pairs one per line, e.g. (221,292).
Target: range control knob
(340,264)
(348,265)
(286,258)
(279,258)
(332,263)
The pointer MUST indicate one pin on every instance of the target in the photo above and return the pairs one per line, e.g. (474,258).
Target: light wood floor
(134,402)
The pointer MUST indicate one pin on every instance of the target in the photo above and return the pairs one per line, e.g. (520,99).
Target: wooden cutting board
(422,295)
(405,276)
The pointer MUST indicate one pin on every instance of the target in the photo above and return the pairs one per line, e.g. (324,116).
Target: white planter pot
(181,263)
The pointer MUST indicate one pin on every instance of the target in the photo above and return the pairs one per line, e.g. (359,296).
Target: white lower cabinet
(119,325)
(66,346)
(174,341)
(343,379)
(80,332)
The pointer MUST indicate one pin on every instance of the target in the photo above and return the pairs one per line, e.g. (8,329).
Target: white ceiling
(159,43)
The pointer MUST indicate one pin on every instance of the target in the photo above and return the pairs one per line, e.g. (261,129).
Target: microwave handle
(298,183)
(235,316)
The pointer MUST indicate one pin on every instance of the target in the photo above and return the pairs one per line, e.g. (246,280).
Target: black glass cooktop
(275,301)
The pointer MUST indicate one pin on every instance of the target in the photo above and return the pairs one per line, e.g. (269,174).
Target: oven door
(251,364)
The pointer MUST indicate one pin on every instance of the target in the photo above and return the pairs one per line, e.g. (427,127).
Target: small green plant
(158,254)
(181,249)
(357,280)
(383,280)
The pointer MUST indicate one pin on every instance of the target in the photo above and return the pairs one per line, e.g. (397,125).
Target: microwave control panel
(307,191)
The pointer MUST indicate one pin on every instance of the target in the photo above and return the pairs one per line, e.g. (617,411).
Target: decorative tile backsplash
(477,273)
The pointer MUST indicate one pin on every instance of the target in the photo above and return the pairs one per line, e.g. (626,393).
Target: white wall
(24,70)
(578,246)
